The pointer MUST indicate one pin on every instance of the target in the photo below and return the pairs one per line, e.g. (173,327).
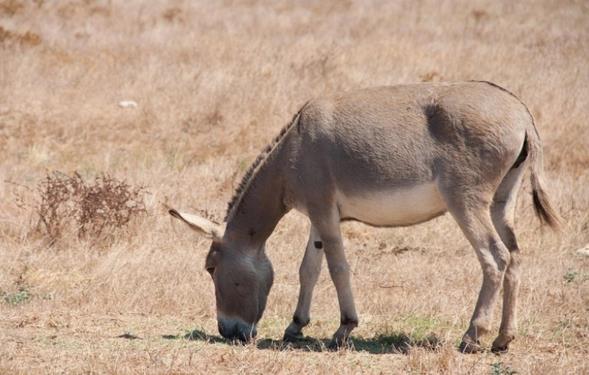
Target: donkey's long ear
(199,224)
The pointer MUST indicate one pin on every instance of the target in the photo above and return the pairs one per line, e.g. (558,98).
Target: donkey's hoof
(337,344)
(334,345)
(500,349)
(501,344)
(470,347)
(292,336)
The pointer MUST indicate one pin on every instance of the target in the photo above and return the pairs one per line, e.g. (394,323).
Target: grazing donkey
(387,156)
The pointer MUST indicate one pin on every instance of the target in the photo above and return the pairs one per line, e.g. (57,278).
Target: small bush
(92,209)
(570,276)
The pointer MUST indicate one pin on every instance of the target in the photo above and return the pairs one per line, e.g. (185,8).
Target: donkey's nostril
(246,332)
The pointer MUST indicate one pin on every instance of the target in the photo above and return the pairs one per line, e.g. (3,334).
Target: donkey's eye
(211,270)
(239,289)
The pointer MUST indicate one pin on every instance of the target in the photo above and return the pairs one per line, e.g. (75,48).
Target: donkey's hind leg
(472,213)
(308,275)
(502,212)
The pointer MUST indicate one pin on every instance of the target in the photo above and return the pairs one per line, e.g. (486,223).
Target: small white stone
(128,104)
(584,251)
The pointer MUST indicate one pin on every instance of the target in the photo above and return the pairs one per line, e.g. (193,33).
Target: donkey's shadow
(390,343)
(197,335)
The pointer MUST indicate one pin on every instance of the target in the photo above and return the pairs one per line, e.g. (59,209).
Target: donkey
(384,156)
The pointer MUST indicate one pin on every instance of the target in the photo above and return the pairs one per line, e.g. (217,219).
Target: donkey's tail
(544,210)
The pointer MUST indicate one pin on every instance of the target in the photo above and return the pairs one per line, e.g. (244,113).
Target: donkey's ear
(199,224)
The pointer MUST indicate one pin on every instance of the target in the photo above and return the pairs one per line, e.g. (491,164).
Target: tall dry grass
(214,81)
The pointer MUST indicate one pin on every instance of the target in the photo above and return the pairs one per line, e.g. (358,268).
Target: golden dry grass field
(214,81)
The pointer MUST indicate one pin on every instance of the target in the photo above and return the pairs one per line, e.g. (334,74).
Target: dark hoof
(470,347)
(500,349)
(333,346)
(293,337)
(336,345)
(501,343)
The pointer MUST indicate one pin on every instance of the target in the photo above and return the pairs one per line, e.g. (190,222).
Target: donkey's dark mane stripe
(256,166)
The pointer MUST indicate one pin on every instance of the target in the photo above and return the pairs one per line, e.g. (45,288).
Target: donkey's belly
(397,207)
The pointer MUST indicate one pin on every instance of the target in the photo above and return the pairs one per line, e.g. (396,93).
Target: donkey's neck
(260,206)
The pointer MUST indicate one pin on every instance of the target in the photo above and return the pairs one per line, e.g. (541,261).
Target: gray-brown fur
(387,156)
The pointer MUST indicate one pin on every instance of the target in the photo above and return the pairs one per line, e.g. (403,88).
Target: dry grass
(214,81)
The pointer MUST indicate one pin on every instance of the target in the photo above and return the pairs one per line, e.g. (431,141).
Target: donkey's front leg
(308,275)
(339,269)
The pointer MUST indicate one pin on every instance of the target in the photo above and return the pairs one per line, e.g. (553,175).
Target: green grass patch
(498,368)
(570,276)
(16,298)
(421,327)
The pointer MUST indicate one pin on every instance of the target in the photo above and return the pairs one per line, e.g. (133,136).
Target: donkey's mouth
(236,330)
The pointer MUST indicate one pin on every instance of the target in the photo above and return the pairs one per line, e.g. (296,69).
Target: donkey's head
(242,277)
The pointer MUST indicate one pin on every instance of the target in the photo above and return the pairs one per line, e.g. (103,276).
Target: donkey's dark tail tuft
(544,210)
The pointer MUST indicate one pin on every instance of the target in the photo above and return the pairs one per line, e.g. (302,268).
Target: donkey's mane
(256,166)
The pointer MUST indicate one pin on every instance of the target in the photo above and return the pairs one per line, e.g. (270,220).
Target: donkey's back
(387,156)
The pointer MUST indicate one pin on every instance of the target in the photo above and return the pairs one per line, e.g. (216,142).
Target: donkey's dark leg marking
(300,322)
(349,321)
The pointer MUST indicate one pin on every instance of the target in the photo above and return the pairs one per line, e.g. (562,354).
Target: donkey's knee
(509,239)
(337,263)
(495,265)
(504,228)
(339,269)
(512,271)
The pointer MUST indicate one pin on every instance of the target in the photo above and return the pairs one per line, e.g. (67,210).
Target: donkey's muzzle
(236,330)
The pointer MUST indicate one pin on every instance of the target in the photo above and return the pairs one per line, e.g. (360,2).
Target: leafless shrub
(173,14)
(11,7)
(10,38)
(95,209)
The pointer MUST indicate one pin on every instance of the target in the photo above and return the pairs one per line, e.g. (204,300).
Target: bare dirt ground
(213,83)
